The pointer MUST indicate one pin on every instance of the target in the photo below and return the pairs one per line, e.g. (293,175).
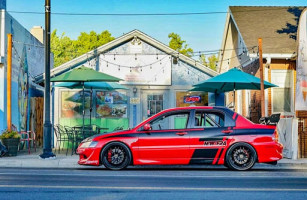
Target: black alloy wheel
(241,156)
(115,156)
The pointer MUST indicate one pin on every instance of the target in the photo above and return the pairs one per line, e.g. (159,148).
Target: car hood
(105,135)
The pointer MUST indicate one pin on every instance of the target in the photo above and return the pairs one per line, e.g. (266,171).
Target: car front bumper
(89,156)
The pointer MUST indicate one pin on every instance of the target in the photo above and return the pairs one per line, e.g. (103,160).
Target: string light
(114,57)
(130,69)
(135,57)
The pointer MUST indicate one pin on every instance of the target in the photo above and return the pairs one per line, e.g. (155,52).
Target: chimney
(38,32)
(2,4)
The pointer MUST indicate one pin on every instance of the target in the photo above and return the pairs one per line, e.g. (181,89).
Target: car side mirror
(147,127)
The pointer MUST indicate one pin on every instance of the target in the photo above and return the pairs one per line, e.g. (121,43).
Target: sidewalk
(24,160)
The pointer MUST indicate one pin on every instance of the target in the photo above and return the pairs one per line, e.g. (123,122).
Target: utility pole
(261,77)
(9,82)
(47,151)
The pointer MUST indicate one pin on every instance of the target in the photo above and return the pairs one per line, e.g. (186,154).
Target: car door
(209,135)
(167,142)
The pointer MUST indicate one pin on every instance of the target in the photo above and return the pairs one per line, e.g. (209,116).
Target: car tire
(115,156)
(241,156)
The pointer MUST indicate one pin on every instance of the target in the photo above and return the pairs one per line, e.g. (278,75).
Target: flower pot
(11,145)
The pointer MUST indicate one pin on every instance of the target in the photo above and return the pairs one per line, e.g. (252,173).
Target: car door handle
(181,133)
(227,131)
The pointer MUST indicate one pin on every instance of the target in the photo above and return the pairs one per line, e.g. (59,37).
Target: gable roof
(118,41)
(276,25)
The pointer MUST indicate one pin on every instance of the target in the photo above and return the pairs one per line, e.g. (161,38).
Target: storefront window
(72,104)
(186,99)
(111,104)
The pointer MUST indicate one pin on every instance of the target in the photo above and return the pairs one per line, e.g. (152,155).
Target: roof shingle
(277,26)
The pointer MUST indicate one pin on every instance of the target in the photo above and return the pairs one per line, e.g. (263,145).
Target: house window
(281,100)
(281,96)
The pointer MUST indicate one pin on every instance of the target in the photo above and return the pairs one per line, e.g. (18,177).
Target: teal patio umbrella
(108,86)
(82,75)
(232,80)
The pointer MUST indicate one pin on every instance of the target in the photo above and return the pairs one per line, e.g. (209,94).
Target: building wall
(132,61)
(27,62)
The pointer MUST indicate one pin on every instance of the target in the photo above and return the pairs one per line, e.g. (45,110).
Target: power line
(147,14)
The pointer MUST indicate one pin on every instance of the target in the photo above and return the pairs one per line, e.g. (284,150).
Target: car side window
(205,119)
(170,121)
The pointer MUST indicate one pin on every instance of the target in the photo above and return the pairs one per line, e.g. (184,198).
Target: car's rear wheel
(115,156)
(241,156)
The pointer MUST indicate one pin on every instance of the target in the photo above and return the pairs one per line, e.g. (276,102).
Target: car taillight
(275,135)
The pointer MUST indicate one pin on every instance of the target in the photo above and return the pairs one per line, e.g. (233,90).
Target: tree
(179,45)
(210,62)
(65,49)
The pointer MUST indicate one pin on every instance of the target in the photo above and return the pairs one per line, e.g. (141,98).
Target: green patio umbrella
(232,80)
(84,74)
(108,86)
(93,85)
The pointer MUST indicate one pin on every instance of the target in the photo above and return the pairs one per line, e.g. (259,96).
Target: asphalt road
(153,183)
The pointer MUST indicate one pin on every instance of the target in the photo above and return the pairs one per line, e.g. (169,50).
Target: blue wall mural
(27,62)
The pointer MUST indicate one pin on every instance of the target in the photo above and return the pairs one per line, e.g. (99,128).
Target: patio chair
(28,136)
(71,138)
(61,136)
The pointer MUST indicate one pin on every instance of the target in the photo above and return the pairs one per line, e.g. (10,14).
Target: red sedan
(182,136)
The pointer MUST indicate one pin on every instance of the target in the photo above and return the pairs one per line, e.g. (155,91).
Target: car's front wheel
(115,156)
(241,156)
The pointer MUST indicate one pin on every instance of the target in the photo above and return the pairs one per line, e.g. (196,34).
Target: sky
(201,32)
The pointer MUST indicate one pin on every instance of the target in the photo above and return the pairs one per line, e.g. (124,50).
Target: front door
(153,101)
(168,140)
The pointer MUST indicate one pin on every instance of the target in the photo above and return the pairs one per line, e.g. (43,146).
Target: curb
(71,162)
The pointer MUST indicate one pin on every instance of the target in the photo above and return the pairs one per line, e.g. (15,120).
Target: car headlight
(89,144)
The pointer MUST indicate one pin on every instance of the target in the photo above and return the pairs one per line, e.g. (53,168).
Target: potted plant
(11,140)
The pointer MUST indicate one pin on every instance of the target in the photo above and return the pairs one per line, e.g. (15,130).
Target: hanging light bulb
(135,57)
(228,61)
(188,71)
(118,68)
(157,57)
(141,69)
(107,64)
(150,67)
(130,69)
(114,57)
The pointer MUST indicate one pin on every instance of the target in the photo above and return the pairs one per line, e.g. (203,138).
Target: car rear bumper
(88,156)
(270,153)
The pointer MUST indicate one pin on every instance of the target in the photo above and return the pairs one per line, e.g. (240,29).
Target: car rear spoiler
(272,120)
